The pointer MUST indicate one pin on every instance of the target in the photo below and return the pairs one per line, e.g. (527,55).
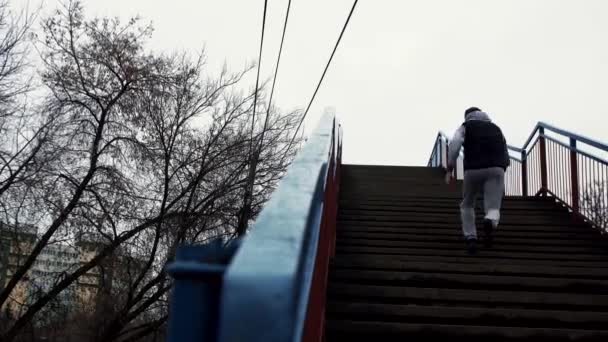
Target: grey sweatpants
(492,182)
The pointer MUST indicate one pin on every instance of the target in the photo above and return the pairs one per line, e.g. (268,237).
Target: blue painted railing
(439,156)
(551,163)
(272,288)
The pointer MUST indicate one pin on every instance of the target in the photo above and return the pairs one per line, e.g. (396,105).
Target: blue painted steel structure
(197,273)
(272,287)
(263,291)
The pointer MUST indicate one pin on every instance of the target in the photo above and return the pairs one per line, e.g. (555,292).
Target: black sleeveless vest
(484,146)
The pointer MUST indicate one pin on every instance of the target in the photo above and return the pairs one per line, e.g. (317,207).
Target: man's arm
(454,147)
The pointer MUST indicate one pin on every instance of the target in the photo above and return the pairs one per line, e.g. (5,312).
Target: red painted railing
(315,317)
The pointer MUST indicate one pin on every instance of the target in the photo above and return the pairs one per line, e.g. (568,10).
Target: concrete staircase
(401,272)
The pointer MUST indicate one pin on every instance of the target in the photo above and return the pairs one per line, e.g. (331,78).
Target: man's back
(484,145)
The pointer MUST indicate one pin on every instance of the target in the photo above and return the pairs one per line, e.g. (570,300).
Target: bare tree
(14,48)
(23,130)
(214,171)
(90,67)
(139,153)
(594,204)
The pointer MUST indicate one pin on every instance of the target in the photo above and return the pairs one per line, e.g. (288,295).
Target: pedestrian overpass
(360,253)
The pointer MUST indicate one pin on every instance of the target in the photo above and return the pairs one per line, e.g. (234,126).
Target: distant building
(93,293)
(17,244)
(53,262)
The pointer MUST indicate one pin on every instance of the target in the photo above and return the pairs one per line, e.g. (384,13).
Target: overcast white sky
(405,68)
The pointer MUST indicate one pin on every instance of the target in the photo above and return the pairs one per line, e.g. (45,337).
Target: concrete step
(504,226)
(401,271)
(371,251)
(499,245)
(361,262)
(453,280)
(401,204)
(466,315)
(455,232)
(499,238)
(470,297)
(422,217)
(348,330)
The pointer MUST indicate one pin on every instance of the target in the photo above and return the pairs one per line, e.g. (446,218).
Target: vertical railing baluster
(550,165)
(549,161)
(524,173)
(543,161)
(560,172)
(584,179)
(605,197)
(456,169)
(574,175)
(565,175)
(605,188)
(535,173)
(438,152)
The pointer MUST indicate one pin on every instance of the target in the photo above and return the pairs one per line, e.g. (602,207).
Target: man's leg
(471,186)
(493,188)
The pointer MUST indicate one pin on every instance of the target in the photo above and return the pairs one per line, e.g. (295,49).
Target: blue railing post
(197,273)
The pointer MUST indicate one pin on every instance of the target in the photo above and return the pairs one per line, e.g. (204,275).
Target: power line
(276,72)
(257,79)
(244,215)
(323,75)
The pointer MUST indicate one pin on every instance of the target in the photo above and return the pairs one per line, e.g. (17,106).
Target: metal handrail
(574,149)
(440,151)
(268,284)
(513,148)
(540,126)
(580,138)
(550,167)
(271,285)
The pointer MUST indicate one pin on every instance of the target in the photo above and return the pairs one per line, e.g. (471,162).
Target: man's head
(471,110)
